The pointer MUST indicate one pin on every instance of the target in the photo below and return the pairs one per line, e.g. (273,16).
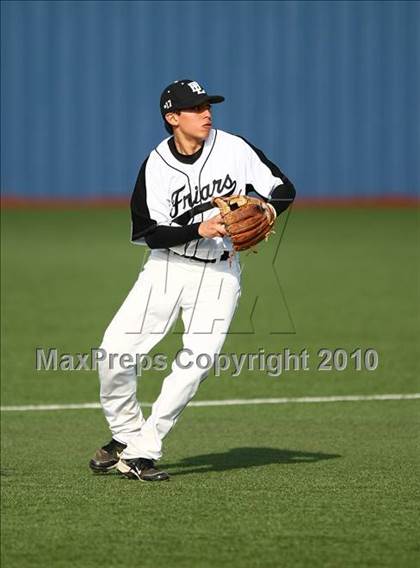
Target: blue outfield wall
(329,90)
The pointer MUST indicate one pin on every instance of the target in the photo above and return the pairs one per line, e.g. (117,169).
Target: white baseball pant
(207,295)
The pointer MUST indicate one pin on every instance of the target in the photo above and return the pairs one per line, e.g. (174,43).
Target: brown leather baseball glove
(248,220)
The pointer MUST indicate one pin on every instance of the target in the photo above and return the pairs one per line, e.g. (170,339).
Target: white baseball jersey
(174,193)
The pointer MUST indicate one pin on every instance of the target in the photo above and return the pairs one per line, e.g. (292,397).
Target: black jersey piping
(199,186)
(275,170)
(181,172)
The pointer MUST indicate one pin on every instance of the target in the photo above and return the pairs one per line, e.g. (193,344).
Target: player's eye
(202,108)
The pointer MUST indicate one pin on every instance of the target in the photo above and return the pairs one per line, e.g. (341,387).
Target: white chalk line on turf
(231,402)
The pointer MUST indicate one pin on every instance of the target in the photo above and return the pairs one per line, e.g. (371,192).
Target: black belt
(224,256)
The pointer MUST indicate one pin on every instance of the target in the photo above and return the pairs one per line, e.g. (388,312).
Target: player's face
(195,122)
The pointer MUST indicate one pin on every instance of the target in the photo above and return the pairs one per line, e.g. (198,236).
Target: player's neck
(187,145)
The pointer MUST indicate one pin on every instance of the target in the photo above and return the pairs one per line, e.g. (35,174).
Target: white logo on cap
(168,104)
(195,87)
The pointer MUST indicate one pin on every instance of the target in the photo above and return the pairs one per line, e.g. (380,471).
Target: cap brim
(212,99)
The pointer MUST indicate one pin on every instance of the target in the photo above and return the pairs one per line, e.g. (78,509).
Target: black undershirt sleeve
(165,237)
(142,223)
(282,196)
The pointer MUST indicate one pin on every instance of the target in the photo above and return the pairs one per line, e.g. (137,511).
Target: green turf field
(327,484)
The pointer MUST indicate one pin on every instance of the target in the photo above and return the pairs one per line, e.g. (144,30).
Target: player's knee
(192,377)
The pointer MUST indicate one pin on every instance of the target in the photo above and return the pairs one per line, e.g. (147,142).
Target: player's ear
(172,118)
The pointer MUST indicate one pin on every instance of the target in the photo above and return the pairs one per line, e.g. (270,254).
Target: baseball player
(190,271)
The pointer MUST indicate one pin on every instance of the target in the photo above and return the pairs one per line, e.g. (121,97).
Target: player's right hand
(214,227)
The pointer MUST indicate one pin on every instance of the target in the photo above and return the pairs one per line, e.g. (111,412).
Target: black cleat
(107,457)
(141,469)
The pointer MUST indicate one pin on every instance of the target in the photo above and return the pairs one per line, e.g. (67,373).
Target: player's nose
(207,112)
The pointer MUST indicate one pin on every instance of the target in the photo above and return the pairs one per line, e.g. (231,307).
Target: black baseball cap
(183,94)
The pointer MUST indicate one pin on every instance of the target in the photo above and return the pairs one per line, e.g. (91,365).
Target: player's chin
(205,131)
